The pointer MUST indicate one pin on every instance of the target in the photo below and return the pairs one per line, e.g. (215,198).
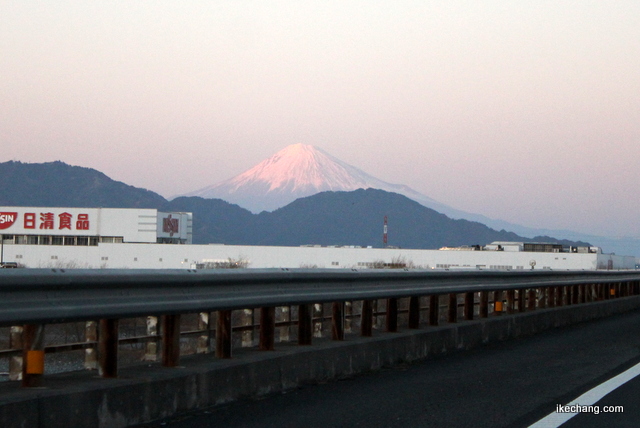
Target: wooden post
(348,312)
(391,320)
(284,314)
(434,309)
(32,355)
(16,342)
(151,347)
(246,320)
(497,303)
(337,321)
(204,340)
(90,353)
(531,306)
(108,348)
(484,304)
(171,340)
(521,299)
(305,325)
(469,305)
(223,334)
(414,312)
(453,308)
(570,293)
(318,316)
(551,302)
(511,301)
(267,328)
(366,318)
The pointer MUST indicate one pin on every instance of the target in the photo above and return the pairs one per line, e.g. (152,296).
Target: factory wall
(159,256)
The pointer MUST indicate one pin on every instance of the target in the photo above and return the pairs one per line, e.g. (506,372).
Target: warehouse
(147,238)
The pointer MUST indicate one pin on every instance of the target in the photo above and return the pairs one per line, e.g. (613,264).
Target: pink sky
(524,111)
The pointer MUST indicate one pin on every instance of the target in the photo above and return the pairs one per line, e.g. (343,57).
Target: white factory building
(37,237)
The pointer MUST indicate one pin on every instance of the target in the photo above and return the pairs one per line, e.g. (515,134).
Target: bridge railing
(305,300)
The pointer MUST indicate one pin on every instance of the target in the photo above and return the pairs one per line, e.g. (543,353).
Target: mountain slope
(326,218)
(297,171)
(356,218)
(56,184)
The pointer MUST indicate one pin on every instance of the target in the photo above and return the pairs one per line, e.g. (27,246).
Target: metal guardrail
(36,297)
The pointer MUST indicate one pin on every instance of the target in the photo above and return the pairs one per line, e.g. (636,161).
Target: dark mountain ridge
(327,218)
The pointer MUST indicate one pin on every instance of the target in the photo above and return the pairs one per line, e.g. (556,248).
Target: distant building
(37,237)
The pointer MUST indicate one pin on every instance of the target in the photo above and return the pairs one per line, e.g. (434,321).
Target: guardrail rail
(33,298)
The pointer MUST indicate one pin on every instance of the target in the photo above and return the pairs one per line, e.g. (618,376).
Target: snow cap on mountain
(294,172)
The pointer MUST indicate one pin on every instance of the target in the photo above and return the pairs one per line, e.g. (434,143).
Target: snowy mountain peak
(294,172)
(298,168)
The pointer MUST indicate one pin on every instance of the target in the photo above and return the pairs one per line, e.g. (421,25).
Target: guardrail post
(151,347)
(532,299)
(267,328)
(497,303)
(511,301)
(348,312)
(434,309)
(391,320)
(223,334)
(15,362)
(469,305)
(90,354)
(108,348)
(337,321)
(32,355)
(170,340)
(453,308)
(414,312)
(366,318)
(204,340)
(284,315)
(483,311)
(318,316)
(377,322)
(246,320)
(521,299)
(305,325)
(551,299)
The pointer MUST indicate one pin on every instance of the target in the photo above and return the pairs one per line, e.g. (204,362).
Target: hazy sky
(524,111)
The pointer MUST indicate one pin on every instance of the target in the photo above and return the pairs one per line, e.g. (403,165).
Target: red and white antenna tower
(384,234)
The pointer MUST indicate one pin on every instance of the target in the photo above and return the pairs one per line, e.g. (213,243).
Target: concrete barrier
(147,392)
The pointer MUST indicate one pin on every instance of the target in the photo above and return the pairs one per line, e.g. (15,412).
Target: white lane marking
(589,398)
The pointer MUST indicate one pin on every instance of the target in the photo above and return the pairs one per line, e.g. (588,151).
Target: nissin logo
(7,219)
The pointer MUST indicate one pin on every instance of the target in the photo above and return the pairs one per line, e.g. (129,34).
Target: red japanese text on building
(30,220)
(83,222)
(65,221)
(46,220)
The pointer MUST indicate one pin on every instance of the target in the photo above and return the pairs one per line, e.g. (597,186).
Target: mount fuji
(301,170)
(297,171)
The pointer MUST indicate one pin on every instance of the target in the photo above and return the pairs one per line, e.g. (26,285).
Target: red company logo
(7,219)
(170,225)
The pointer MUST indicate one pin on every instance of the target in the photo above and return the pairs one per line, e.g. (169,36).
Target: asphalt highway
(508,384)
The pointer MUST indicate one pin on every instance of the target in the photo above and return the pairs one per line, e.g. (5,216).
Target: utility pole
(384,233)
